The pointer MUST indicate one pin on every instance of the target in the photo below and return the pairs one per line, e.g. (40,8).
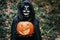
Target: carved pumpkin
(25,28)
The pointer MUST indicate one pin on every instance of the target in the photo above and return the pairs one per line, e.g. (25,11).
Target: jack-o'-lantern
(25,28)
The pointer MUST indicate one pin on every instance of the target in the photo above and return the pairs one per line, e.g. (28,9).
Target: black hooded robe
(36,35)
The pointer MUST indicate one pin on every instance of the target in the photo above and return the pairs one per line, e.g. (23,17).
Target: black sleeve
(38,33)
(13,30)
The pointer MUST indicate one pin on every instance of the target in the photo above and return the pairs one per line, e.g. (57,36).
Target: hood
(20,6)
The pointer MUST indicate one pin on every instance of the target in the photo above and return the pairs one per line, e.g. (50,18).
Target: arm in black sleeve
(13,30)
(38,33)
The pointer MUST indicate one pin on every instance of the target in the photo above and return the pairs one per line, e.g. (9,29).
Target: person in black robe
(25,13)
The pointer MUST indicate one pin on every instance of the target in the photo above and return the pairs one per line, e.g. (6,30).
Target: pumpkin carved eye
(25,28)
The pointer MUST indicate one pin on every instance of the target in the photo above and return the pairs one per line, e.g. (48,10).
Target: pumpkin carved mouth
(25,28)
(25,32)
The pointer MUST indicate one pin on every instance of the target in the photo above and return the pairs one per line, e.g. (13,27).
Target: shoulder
(36,22)
(15,20)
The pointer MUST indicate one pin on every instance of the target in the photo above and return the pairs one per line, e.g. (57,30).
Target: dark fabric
(36,35)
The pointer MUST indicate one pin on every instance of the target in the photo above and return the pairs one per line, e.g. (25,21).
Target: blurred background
(47,12)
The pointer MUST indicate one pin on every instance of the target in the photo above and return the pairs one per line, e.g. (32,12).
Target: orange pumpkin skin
(25,28)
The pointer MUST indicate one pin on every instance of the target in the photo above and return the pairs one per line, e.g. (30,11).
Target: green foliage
(6,22)
(2,30)
(49,22)
(2,4)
